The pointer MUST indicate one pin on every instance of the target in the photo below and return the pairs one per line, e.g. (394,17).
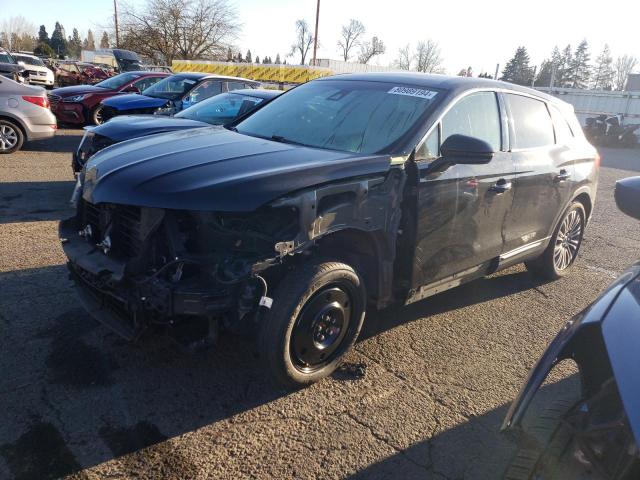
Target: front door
(461,210)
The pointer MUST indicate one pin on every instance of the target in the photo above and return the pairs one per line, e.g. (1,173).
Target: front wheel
(318,311)
(556,261)
(97,117)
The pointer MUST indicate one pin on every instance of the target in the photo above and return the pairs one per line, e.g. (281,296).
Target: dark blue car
(218,110)
(173,94)
(594,433)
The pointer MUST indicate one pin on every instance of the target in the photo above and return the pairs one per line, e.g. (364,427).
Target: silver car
(24,115)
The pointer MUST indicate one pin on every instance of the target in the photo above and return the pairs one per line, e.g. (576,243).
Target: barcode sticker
(266,302)
(413,92)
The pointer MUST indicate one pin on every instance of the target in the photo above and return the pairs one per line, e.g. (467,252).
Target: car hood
(10,67)
(134,100)
(78,90)
(214,169)
(125,127)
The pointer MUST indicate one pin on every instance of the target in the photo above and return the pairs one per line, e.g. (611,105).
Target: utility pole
(315,35)
(495,77)
(115,18)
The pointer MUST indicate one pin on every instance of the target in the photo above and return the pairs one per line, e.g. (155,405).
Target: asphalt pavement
(421,396)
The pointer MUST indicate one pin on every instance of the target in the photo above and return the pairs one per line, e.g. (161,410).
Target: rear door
(544,169)
(461,209)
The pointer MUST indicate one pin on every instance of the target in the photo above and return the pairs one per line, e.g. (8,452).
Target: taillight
(40,101)
(597,160)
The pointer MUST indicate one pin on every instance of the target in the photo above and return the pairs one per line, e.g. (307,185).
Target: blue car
(219,110)
(173,94)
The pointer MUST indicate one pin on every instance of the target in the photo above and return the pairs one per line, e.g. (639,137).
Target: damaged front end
(137,267)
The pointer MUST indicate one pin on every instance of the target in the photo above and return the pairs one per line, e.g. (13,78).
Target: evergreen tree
(603,72)
(74,44)
(257,59)
(549,70)
(44,50)
(248,57)
(579,66)
(517,69)
(278,61)
(239,58)
(89,43)
(229,55)
(43,36)
(58,42)
(104,41)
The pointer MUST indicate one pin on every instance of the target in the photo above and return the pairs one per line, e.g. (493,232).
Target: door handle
(562,176)
(500,186)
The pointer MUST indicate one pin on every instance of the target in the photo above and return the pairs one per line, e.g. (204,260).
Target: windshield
(171,87)
(221,109)
(117,81)
(6,58)
(29,60)
(129,65)
(351,116)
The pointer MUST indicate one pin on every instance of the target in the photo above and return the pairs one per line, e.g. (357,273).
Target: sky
(479,34)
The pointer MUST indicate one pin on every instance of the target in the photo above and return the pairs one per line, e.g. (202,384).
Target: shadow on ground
(447,454)
(154,391)
(65,143)
(35,201)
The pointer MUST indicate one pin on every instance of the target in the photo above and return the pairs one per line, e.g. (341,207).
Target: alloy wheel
(8,137)
(98,117)
(568,240)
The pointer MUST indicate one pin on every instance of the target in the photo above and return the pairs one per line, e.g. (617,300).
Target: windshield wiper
(281,139)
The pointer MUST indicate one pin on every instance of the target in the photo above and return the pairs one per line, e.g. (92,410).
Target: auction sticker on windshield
(413,92)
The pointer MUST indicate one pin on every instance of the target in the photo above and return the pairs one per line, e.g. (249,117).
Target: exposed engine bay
(139,266)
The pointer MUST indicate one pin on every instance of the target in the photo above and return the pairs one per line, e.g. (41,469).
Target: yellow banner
(262,73)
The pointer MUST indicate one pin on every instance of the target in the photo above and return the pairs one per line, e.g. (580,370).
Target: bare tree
(623,67)
(350,37)
(19,32)
(403,62)
(428,57)
(304,40)
(185,29)
(370,49)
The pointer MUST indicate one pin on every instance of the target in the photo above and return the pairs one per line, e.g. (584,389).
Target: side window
(531,122)
(476,115)
(429,150)
(206,89)
(236,86)
(563,131)
(145,83)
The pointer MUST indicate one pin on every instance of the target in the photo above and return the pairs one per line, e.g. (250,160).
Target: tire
(96,115)
(547,461)
(11,137)
(317,313)
(558,258)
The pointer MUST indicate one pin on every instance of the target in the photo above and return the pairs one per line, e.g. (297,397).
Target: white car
(37,72)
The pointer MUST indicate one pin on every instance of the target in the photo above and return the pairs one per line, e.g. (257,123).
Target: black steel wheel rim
(568,240)
(322,327)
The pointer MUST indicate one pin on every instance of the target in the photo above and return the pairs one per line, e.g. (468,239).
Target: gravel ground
(422,394)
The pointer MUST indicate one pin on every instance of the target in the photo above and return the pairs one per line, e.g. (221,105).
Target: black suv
(9,67)
(341,194)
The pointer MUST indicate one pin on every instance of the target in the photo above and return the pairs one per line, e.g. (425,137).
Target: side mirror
(132,89)
(627,195)
(463,149)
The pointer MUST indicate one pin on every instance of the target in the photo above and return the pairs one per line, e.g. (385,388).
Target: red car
(80,104)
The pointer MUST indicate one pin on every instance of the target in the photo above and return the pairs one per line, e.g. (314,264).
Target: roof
(257,93)
(199,75)
(444,82)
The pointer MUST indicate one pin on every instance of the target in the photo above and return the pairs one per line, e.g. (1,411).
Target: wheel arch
(17,122)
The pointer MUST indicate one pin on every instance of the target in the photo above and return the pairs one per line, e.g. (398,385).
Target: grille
(31,72)
(53,100)
(123,224)
(42,74)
